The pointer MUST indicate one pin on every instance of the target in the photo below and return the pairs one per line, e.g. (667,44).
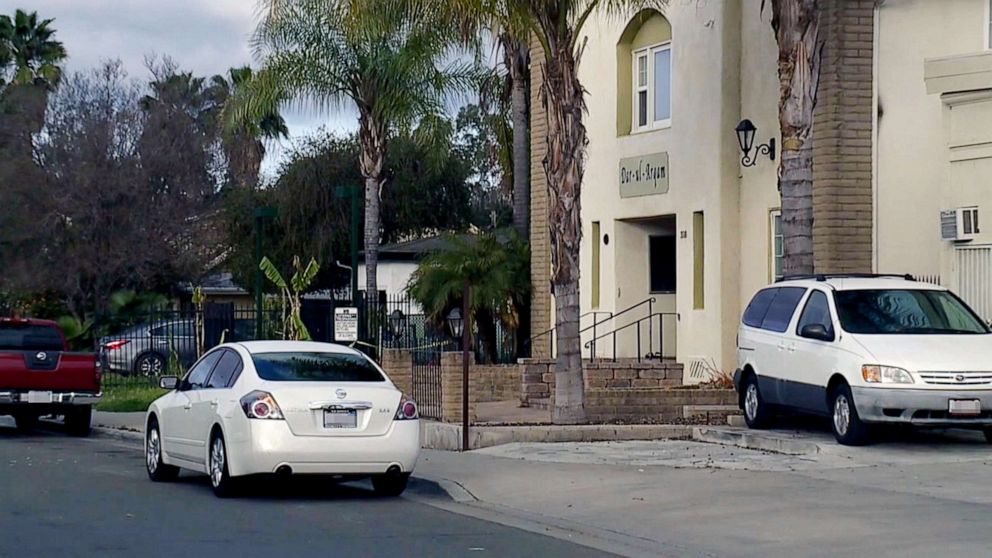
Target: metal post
(258,275)
(650,326)
(466,342)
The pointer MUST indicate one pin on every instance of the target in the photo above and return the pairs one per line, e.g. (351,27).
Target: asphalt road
(65,497)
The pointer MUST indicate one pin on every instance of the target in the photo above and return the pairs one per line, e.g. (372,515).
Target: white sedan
(284,408)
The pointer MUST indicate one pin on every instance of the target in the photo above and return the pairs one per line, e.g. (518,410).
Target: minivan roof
(859,282)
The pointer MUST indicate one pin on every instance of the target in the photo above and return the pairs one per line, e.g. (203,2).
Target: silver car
(147,349)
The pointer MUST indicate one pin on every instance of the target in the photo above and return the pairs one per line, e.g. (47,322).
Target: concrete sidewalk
(920,497)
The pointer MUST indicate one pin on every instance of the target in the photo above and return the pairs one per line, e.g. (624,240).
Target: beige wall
(911,148)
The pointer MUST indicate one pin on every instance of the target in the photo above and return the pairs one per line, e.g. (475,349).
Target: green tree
(243,142)
(797,31)
(393,64)
(557,26)
(498,272)
(299,283)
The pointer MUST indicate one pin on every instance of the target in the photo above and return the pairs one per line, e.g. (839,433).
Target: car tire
(988,434)
(77,420)
(149,365)
(217,468)
(158,470)
(26,421)
(847,425)
(757,413)
(390,485)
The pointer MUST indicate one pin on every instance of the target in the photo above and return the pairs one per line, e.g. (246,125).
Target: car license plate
(39,397)
(964,407)
(340,418)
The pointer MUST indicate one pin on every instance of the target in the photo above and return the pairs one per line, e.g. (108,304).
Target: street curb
(448,437)
(750,439)
(119,434)
(454,490)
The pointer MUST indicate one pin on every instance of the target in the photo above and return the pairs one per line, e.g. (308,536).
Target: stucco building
(902,164)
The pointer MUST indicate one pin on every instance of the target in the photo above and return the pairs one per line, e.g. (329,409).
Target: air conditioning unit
(959,224)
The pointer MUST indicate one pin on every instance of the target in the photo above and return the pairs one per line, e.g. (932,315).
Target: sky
(206,37)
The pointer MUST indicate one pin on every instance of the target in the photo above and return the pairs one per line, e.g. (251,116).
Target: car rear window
(315,367)
(781,309)
(29,337)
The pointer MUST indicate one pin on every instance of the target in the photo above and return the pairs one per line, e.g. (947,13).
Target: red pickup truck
(39,375)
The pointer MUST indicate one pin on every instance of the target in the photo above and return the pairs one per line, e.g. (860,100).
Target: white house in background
(902,163)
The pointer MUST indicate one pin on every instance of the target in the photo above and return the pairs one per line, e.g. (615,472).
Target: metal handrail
(591,344)
(649,301)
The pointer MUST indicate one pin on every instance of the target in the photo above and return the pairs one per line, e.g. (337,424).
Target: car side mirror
(168,382)
(816,331)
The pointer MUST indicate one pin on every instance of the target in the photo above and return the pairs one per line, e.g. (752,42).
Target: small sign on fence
(346,324)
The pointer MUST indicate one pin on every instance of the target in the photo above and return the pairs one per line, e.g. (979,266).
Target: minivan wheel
(757,413)
(847,425)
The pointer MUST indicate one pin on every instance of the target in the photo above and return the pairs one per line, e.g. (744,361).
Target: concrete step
(755,439)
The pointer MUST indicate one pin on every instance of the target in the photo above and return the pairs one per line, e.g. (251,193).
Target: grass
(124,399)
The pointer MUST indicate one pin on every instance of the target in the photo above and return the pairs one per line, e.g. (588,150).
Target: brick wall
(540,250)
(538,378)
(842,133)
(652,404)
(495,382)
(398,365)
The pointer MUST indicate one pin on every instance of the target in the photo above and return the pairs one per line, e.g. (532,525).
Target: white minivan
(864,350)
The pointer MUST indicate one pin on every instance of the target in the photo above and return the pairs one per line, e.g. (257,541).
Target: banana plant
(293,328)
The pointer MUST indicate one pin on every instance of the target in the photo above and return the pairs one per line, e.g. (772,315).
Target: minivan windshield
(315,367)
(906,312)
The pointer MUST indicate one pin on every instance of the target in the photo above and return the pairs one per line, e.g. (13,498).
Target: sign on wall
(645,175)
(346,324)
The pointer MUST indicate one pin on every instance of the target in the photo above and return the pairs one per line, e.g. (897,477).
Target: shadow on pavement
(819,429)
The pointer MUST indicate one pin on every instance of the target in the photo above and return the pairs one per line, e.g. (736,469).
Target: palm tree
(498,272)
(30,68)
(29,45)
(394,65)
(797,27)
(243,142)
(557,26)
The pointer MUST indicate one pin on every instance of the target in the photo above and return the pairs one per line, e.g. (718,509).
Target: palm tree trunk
(372,143)
(516,54)
(562,96)
(797,24)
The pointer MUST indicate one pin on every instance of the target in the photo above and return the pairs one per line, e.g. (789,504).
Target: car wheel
(757,414)
(988,434)
(77,420)
(390,484)
(220,478)
(158,470)
(26,421)
(847,425)
(149,365)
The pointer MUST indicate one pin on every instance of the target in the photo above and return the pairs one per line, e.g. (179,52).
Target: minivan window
(782,308)
(905,311)
(756,311)
(816,312)
(315,367)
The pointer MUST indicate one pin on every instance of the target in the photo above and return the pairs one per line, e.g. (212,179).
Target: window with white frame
(988,24)
(777,244)
(652,87)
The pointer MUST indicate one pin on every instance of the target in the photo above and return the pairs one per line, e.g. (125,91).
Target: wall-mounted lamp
(745,137)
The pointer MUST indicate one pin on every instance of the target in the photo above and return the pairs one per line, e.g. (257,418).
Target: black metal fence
(140,348)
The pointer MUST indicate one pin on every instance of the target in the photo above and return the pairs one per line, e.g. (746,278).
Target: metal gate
(975,278)
(426,374)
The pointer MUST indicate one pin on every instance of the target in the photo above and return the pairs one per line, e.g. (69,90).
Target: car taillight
(407,409)
(261,405)
(114,345)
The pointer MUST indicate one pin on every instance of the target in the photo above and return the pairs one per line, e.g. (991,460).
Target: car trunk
(336,408)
